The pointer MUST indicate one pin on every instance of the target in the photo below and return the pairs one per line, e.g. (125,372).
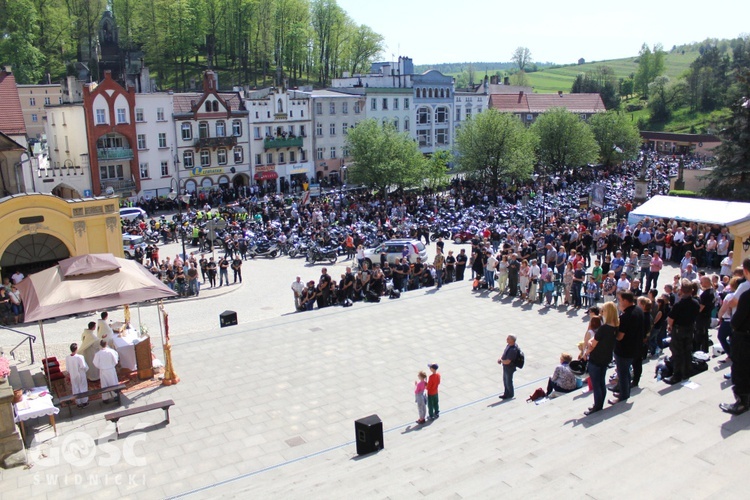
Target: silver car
(394,250)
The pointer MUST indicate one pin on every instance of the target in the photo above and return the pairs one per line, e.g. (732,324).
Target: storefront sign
(199,171)
(265,168)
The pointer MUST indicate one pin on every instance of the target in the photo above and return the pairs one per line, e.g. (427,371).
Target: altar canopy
(88,283)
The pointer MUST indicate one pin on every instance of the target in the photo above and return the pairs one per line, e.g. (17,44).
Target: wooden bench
(94,392)
(115,416)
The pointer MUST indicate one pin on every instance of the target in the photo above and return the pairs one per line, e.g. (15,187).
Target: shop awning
(266,176)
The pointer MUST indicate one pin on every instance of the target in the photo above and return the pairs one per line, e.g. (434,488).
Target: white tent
(724,213)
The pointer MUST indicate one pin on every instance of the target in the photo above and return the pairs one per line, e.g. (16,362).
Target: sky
(442,31)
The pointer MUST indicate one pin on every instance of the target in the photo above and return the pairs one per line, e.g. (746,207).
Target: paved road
(284,385)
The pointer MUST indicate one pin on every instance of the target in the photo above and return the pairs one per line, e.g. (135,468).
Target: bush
(683,193)
(634,107)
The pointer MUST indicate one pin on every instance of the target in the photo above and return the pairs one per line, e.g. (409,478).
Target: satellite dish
(110,191)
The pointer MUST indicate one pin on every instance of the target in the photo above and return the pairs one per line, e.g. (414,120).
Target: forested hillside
(246,41)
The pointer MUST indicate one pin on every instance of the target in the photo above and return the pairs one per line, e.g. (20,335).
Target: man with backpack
(511,359)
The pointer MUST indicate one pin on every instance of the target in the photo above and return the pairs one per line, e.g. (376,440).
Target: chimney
(520,96)
(8,69)
(494,79)
(559,92)
(506,80)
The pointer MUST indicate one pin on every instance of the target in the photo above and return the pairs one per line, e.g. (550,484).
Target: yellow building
(37,230)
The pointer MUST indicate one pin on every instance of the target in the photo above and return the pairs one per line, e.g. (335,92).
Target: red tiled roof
(675,137)
(540,103)
(510,103)
(183,102)
(11,116)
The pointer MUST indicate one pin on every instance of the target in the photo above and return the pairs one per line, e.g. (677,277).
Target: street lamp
(534,177)
(174,195)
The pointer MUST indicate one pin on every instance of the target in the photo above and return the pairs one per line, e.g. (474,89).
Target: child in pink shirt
(419,396)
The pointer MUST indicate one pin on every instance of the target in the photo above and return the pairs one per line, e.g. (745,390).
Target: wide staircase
(24,356)
(666,441)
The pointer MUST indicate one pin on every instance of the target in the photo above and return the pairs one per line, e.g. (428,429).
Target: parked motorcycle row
(275,226)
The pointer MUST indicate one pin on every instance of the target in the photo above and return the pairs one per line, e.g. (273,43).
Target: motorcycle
(316,253)
(298,249)
(263,249)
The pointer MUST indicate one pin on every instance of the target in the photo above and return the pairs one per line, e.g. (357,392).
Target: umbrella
(87,283)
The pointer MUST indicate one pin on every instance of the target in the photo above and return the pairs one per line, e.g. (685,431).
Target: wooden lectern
(144,362)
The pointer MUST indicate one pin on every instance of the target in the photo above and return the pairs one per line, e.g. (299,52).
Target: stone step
(27,380)
(39,379)
(14,378)
(527,448)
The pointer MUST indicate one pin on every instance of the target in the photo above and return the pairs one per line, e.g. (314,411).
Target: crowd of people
(592,258)
(11,303)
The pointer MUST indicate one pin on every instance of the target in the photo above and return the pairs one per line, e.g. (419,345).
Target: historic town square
(250,249)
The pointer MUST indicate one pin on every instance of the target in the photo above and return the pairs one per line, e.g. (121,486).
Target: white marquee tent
(724,213)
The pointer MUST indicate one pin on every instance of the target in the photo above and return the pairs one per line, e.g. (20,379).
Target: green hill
(550,80)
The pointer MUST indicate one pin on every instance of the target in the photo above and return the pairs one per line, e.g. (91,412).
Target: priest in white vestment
(106,360)
(104,330)
(88,348)
(77,367)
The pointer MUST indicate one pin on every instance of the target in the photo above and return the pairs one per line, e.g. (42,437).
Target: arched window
(216,105)
(203,130)
(447,93)
(430,94)
(208,106)
(442,93)
(187,131)
(187,159)
(205,158)
(221,128)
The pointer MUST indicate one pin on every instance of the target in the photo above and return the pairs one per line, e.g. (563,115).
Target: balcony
(215,142)
(281,142)
(119,186)
(108,154)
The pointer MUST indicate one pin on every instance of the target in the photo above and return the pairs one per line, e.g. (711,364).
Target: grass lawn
(554,79)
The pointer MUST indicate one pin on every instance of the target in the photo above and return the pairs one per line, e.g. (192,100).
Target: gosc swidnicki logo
(79,449)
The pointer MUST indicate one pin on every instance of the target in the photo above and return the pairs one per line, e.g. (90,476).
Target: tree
(363,47)
(730,178)
(708,79)
(436,169)
(493,145)
(650,65)
(665,97)
(626,87)
(600,81)
(617,136)
(19,40)
(383,158)
(565,141)
(521,57)
(520,79)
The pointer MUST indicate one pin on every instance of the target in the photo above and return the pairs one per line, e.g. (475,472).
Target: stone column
(11,446)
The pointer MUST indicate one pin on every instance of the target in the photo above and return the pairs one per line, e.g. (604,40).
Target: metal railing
(29,337)
(281,142)
(119,186)
(114,154)
(214,142)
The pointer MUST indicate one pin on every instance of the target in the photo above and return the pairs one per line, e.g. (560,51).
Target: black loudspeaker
(369,434)
(227,318)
